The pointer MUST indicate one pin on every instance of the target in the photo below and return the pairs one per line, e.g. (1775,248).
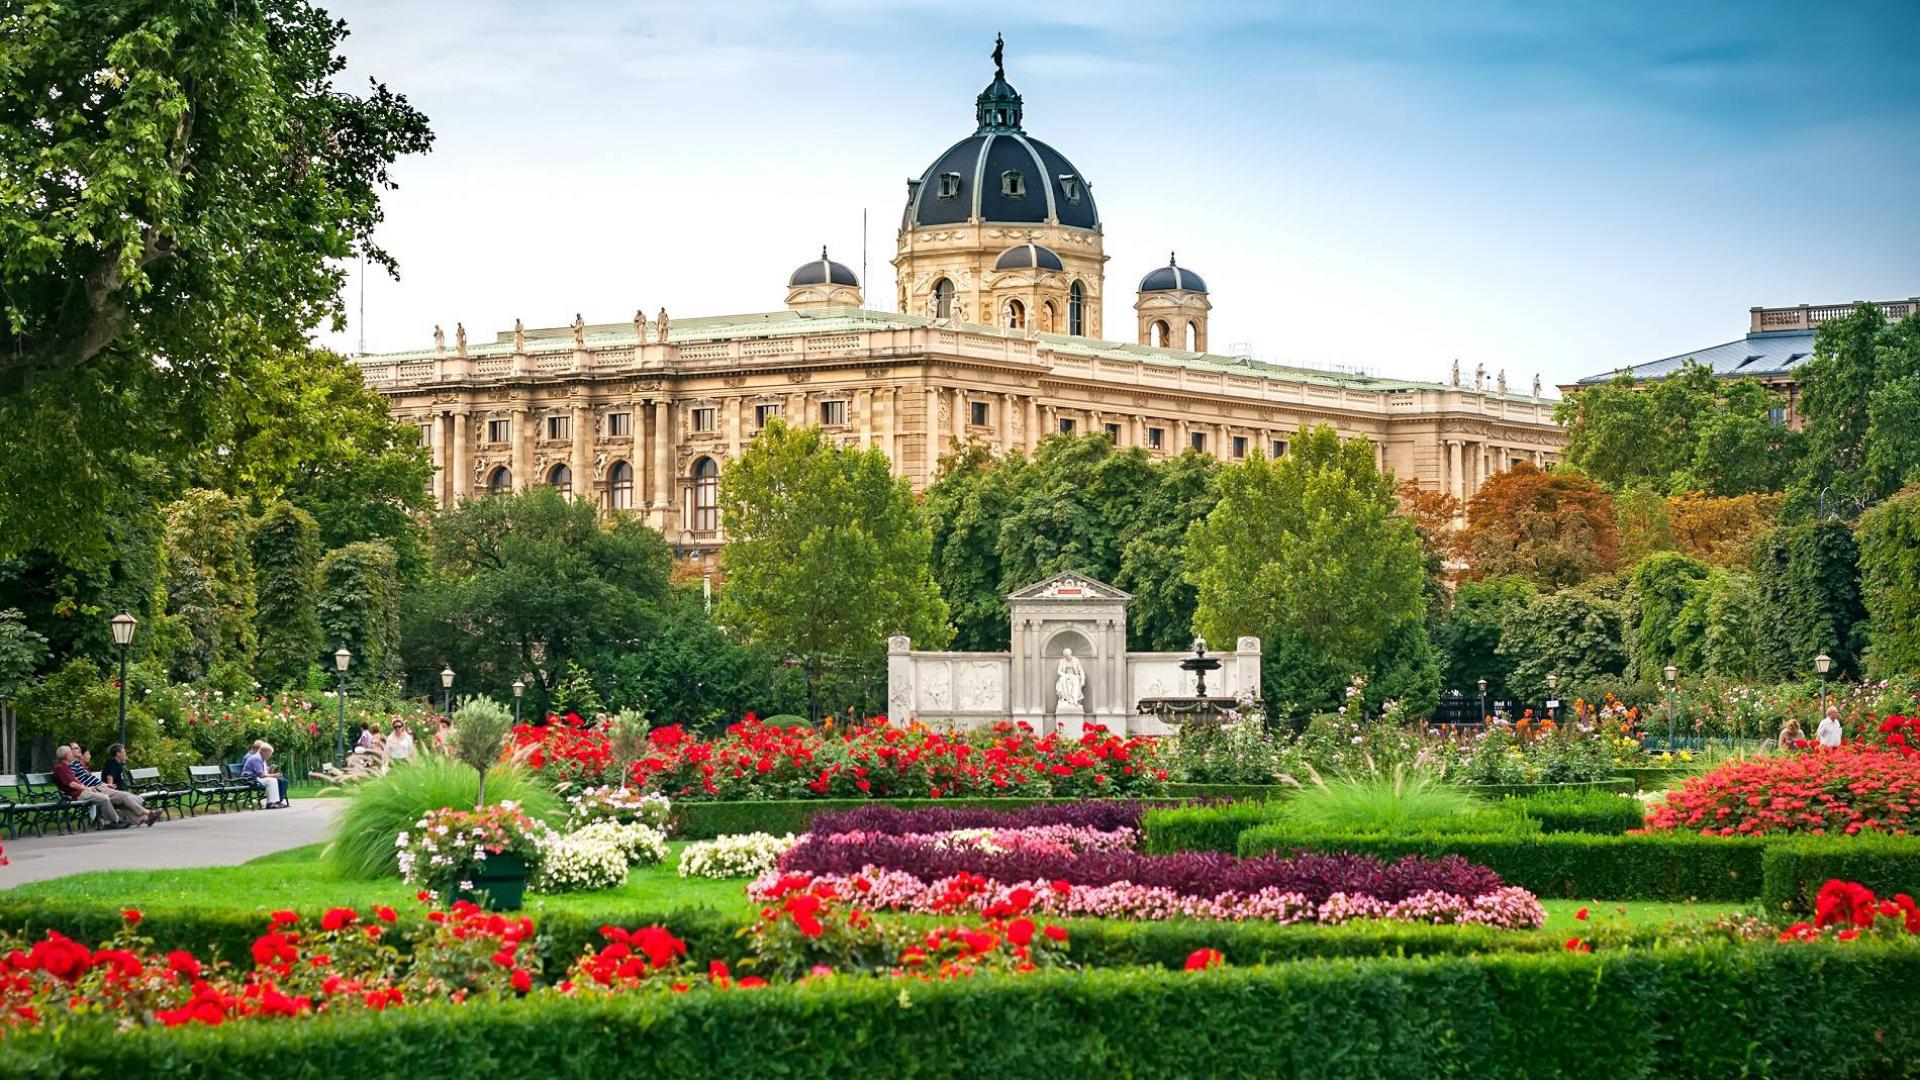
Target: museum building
(996,341)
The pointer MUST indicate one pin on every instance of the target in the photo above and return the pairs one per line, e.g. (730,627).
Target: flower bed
(740,855)
(1849,789)
(898,821)
(757,760)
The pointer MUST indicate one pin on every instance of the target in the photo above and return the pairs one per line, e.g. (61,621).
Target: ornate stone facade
(1001,283)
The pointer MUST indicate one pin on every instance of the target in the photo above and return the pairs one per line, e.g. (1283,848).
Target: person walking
(1829,733)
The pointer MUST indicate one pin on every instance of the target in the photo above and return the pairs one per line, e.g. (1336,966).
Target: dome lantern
(1173,306)
(822,283)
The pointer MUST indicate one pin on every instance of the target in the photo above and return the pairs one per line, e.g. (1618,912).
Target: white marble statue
(1069,679)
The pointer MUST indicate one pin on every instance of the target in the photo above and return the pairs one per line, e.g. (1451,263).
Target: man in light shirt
(1828,733)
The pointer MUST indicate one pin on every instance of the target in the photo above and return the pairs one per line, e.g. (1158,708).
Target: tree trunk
(480,803)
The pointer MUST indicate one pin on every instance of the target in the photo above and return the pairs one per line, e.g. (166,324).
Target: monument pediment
(1069,586)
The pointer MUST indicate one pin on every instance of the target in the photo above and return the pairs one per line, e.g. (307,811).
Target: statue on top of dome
(999,57)
(640,326)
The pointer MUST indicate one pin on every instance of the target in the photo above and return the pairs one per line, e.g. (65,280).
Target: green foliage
(513,573)
(1717,629)
(690,672)
(1796,869)
(1396,800)
(481,730)
(286,561)
(1308,554)
(379,809)
(1657,592)
(1575,634)
(1860,403)
(1184,490)
(77,702)
(1580,810)
(1890,582)
(576,694)
(187,183)
(1685,1011)
(210,582)
(359,607)
(1645,520)
(22,651)
(827,552)
(965,507)
(1689,431)
(1574,866)
(1203,828)
(1470,638)
(705,820)
(1808,578)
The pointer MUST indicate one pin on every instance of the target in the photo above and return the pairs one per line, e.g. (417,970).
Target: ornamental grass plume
(481,728)
(382,807)
(1397,801)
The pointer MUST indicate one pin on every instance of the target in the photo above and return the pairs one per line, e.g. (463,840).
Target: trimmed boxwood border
(1690,1012)
(1795,869)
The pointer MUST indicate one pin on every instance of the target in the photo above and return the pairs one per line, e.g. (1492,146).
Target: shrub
(481,728)
(1673,866)
(1795,869)
(1203,828)
(447,849)
(1580,810)
(706,820)
(380,809)
(579,862)
(1849,789)
(1104,816)
(618,804)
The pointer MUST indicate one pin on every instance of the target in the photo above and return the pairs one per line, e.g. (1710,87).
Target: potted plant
(483,856)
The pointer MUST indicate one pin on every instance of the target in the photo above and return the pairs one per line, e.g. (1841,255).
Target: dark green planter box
(501,886)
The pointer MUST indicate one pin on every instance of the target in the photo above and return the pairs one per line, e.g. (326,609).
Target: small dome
(1028,256)
(823,271)
(1171,277)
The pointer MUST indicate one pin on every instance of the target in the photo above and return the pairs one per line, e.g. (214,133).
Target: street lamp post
(446,690)
(123,625)
(1483,700)
(1823,664)
(1672,673)
(519,688)
(1553,697)
(341,659)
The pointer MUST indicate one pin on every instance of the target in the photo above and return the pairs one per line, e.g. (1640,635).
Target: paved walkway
(227,839)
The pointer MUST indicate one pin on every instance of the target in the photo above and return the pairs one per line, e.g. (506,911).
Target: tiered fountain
(1198,710)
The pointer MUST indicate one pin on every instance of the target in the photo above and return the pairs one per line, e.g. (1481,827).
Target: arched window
(706,496)
(1014,315)
(499,481)
(560,479)
(620,486)
(1160,334)
(1193,337)
(1077,310)
(943,299)
(1046,317)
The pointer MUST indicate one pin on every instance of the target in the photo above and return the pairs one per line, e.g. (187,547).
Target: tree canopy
(1688,431)
(1553,528)
(184,181)
(1860,397)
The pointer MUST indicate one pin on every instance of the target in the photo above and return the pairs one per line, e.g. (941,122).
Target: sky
(1537,187)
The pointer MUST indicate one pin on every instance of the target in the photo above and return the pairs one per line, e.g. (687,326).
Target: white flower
(740,855)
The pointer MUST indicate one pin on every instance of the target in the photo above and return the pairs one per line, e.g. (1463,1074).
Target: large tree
(1890,582)
(1470,638)
(1860,397)
(827,552)
(965,507)
(183,183)
(1689,431)
(1309,554)
(1153,564)
(1553,529)
(528,582)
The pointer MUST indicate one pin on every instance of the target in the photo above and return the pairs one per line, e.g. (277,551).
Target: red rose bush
(1848,789)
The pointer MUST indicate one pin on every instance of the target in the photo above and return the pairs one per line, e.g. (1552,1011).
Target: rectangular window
(1200,441)
(949,185)
(979,416)
(620,425)
(763,413)
(560,427)
(704,419)
(1066,426)
(1239,446)
(1113,433)
(833,413)
(1279,448)
(1156,438)
(499,431)
(1778,416)
(1012,184)
(1070,184)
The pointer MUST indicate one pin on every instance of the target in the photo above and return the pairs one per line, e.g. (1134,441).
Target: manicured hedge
(706,820)
(1658,777)
(1202,828)
(1605,813)
(1494,791)
(1241,792)
(1574,866)
(1685,1013)
(1795,869)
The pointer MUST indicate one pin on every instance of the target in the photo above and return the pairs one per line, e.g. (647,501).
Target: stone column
(899,679)
(931,426)
(961,407)
(1033,423)
(437,448)
(662,460)
(893,429)
(462,466)
(1223,443)
(523,437)
(863,402)
(1004,423)
(1136,430)
(732,407)
(582,463)
(1453,470)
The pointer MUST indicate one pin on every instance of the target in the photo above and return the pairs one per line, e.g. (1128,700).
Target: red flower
(1581,914)
(132,915)
(338,918)
(522,981)
(1204,959)
(805,908)
(386,914)
(1057,933)
(1575,944)
(182,962)
(284,918)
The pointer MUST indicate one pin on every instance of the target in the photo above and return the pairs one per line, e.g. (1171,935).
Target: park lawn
(295,879)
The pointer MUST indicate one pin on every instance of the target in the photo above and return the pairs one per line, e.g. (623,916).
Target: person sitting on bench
(82,766)
(255,766)
(102,800)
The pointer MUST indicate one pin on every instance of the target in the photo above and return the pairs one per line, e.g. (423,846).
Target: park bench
(156,793)
(247,790)
(65,811)
(207,785)
(22,806)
